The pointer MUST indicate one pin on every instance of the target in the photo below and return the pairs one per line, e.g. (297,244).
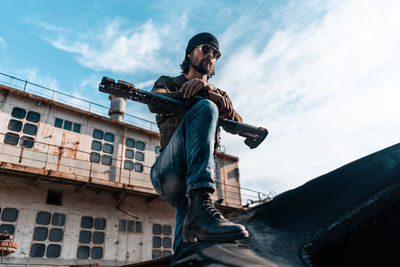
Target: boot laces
(207,203)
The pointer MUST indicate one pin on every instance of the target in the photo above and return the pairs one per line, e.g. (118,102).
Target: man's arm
(162,85)
(219,97)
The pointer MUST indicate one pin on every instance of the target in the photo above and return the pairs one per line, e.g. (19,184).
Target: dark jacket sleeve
(163,84)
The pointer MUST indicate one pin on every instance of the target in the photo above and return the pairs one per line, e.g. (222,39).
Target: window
(139,156)
(54,198)
(128,164)
(33,117)
(18,113)
(162,240)
(140,145)
(130,143)
(67,125)
(11,138)
(48,235)
(103,143)
(130,226)
(8,219)
(91,238)
(25,122)
(130,154)
(138,167)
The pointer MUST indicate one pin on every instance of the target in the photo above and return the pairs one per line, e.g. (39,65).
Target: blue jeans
(188,161)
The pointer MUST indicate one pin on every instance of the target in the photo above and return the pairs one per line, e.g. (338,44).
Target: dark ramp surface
(348,217)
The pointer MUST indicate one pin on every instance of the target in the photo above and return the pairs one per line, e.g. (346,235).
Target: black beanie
(201,38)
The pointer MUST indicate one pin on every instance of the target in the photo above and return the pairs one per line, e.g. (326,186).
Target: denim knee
(206,107)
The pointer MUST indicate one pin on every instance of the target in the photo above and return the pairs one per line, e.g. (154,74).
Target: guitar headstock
(121,88)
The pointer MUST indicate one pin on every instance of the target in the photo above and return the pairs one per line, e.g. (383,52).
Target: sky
(322,76)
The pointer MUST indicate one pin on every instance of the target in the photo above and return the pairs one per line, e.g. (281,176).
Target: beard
(204,66)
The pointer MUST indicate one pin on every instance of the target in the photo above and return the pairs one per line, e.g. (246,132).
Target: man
(182,174)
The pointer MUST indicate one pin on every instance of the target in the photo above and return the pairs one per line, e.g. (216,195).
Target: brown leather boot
(203,221)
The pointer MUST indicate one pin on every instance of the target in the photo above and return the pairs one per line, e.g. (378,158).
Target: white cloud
(3,44)
(121,50)
(326,90)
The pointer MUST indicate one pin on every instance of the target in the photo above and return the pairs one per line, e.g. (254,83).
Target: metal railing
(29,87)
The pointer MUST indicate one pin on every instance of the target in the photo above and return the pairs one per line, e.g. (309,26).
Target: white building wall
(119,247)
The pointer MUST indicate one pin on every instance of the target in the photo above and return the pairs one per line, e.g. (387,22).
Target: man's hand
(225,107)
(193,86)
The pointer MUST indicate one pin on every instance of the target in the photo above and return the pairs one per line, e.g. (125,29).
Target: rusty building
(74,182)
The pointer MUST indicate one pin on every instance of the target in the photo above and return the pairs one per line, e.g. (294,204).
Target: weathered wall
(119,247)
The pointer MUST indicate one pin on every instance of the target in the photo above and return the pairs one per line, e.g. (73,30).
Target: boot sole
(189,236)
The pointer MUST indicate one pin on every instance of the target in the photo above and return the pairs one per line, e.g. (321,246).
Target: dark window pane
(27,141)
(43,218)
(96,145)
(139,156)
(129,153)
(131,226)
(40,233)
(130,143)
(15,125)
(156,229)
(85,237)
(138,227)
(122,225)
(98,134)
(97,253)
(33,116)
(30,129)
(167,230)
(106,160)
(99,223)
(98,237)
(109,137)
(54,198)
(53,251)
(140,145)
(138,167)
(83,252)
(77,128)
(58,123)
(87,222)
(11,138)
(95,157)
(158,150)
(128,164)
(107,148)
(56,234)
(37,250)
(167,242)
(58,219)
(166,253)
(156,254)
(18,113)
(68,125)
(9,215)
(156,242)
(7,228)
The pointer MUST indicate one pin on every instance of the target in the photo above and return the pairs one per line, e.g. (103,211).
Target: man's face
(203,63)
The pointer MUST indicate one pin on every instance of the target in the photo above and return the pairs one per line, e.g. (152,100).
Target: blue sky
(322,76)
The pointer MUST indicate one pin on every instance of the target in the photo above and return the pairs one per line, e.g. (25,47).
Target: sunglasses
(205,49)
